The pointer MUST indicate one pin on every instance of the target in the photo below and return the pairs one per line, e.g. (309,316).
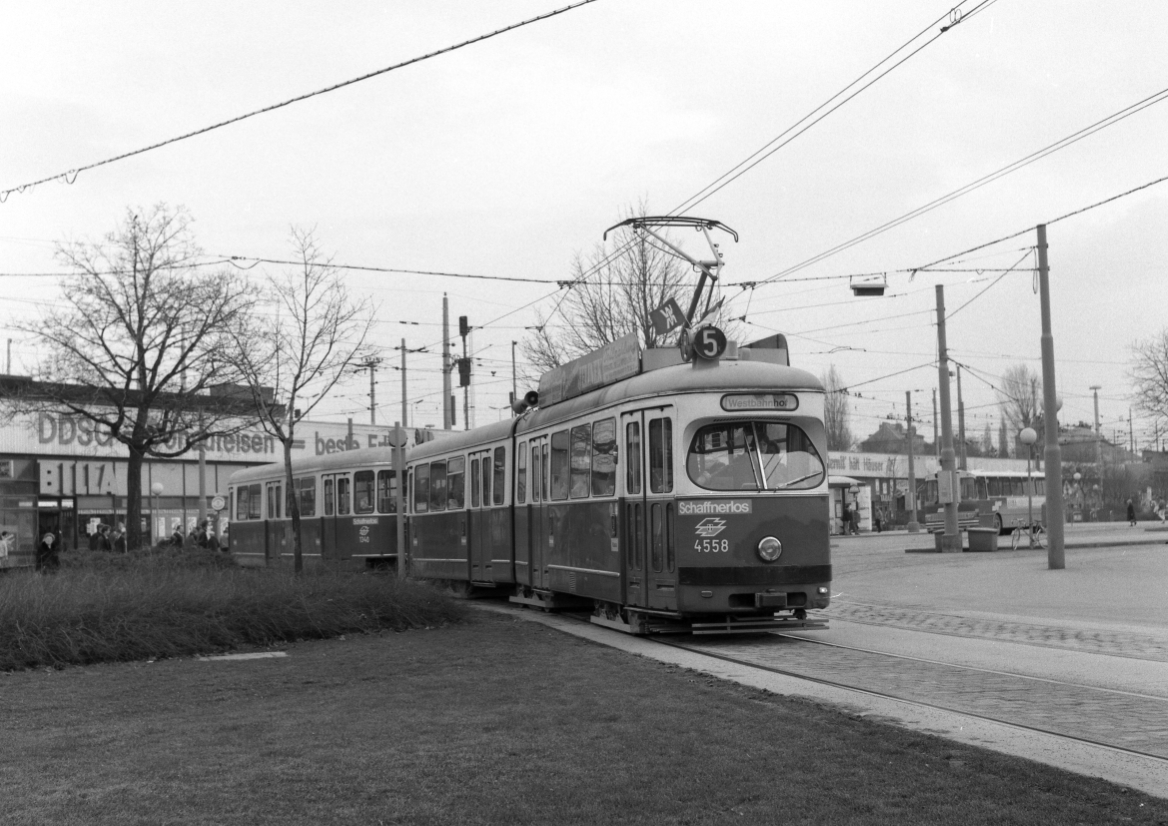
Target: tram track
(1112,719)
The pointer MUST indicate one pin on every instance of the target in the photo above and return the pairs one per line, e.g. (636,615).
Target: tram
(348,511)
(676,489)
(686,497)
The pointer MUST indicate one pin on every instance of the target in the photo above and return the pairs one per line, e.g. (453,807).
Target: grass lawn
(490,721)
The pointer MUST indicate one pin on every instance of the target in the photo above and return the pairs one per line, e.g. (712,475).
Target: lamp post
(155,491)
(1028,437)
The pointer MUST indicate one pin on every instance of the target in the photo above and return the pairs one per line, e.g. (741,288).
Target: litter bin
(983,539)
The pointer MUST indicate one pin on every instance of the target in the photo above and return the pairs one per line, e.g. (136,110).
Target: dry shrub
(172,604)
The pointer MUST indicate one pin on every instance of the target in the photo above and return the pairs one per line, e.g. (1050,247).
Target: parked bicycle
(1034,536)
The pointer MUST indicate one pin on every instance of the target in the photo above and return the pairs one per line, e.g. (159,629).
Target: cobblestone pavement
(1144,646)
(1113,718)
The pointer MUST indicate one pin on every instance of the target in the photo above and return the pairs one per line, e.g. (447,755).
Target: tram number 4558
(712,546)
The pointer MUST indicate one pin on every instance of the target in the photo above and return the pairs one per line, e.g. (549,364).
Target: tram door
(537,513)
(650,560)
(328,525)
(477,527)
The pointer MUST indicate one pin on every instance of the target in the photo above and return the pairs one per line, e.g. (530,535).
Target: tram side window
(560,465)
(456,483)
(633,449)
(995,486)
(304,489)
(968,488)
(545,477)
(486,469)
(437,486)
(330,497)
(344,495)
(604,458)
(500,482)
(521,473)
(581,464)
(254,502)
(1040,487)
(536,476)
(660,455)
(386,491)
(1017,487)
(274,501)
(363,491)
(422,489)
(476,482)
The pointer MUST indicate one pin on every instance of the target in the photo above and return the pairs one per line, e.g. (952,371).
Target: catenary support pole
(1055,555)
(447,418)
(947,489)
(399,467)
(961,453)
(913,525)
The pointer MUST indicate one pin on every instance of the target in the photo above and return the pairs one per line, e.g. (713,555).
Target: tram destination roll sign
(760,401)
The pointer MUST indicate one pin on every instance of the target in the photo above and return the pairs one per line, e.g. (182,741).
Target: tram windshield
(754,456)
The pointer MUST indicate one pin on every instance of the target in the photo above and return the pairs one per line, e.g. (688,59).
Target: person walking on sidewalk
(1131,513)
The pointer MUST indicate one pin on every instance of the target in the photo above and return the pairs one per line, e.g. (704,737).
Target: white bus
(997,499)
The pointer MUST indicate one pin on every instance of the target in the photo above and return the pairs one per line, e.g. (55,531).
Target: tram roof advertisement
(620,359)
(59,434)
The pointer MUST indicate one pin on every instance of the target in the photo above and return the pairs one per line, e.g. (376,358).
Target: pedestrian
(46,553)
(212,541)
(846,519)
(119,541)
(1131,513)
(878,519)
(103,538)
(855,520)
(176,538)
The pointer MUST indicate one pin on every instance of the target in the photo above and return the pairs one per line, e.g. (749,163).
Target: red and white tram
(687,497)
(348,512)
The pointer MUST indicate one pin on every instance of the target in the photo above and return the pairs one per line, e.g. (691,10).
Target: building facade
(57,473)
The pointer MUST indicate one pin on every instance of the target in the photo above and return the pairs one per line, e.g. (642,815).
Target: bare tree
(611,293)
(317,335)
(1020,399)
(835,414)
(135,343)
(1149,375)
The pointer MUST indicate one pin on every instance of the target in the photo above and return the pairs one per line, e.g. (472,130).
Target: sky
(511,156)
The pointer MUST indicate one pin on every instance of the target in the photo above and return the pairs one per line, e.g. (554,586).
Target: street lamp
(1028,437)
(156,491)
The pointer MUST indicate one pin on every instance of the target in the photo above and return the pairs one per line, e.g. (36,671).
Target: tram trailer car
(348,512)
(688,498)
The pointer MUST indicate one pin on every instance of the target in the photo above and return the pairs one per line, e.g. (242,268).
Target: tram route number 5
(709,343)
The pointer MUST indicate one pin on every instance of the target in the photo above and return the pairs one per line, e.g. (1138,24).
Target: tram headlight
(769,549)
